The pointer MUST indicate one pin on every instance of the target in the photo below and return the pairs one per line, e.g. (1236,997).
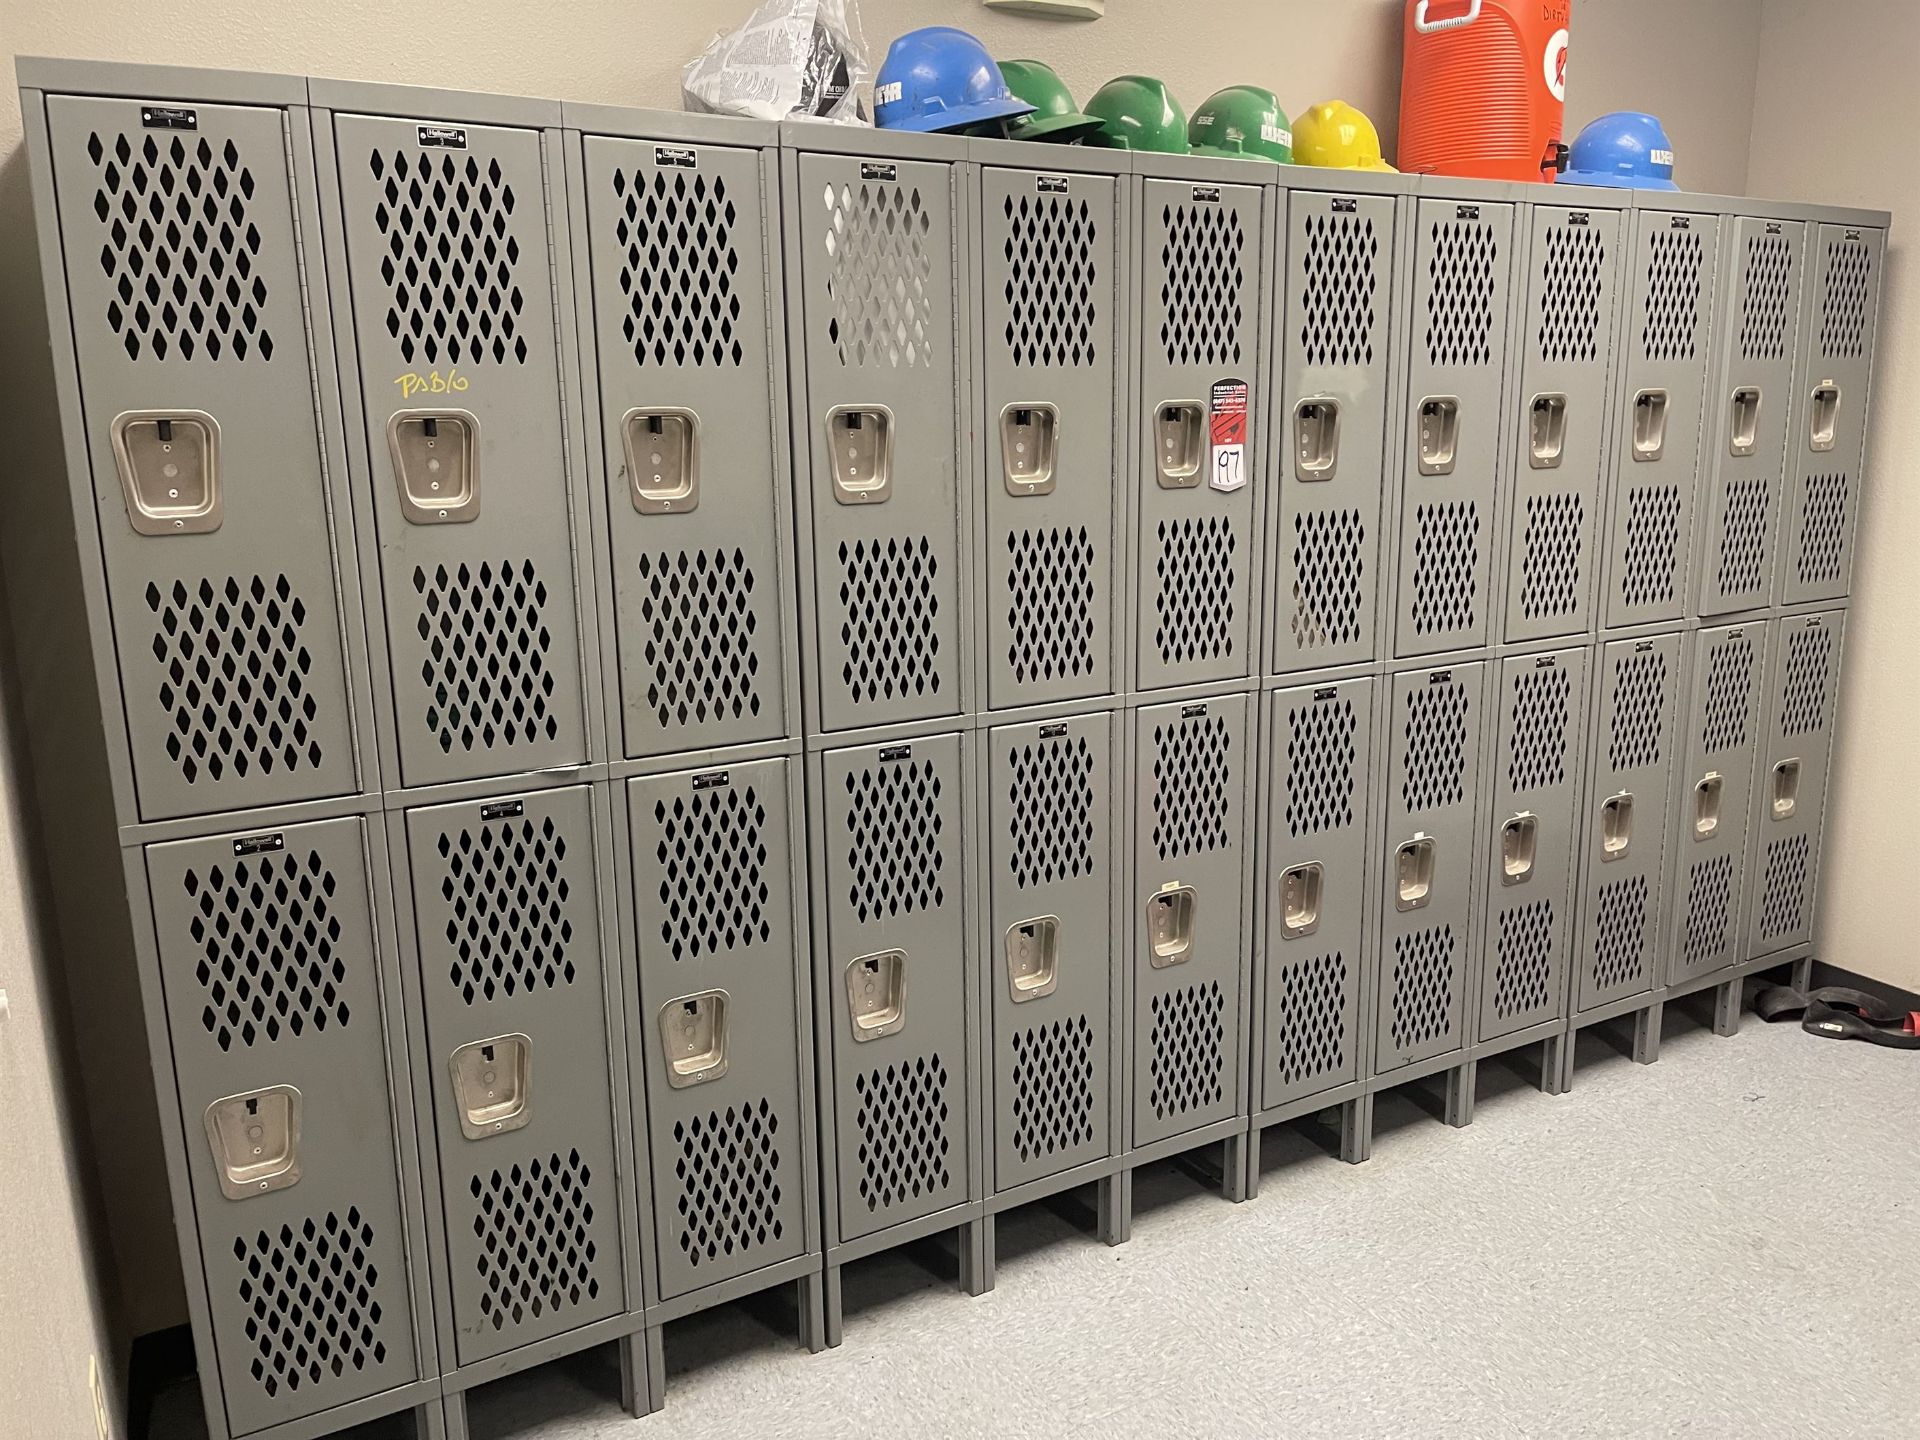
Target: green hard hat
(1138,112)
(1055,118)
(1243,122)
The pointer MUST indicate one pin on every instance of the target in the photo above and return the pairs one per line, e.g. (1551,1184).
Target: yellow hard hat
(1337,136)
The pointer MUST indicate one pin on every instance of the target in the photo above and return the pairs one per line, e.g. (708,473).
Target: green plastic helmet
(1055,117)
(1138,112)
(1242,122)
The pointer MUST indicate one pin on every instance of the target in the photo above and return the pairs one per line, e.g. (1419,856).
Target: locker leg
(976,1256)
(1116,1207)
(1356,1129)
(1803,974)
(813,1312)
(430,1421)
(1252,1186)
(1233,1167)
(654,1346)
(1726,1008)
(1646,1034)
(833,1312)
(453,1406)
(1555,1054)
(638,1397)
(1460,1083)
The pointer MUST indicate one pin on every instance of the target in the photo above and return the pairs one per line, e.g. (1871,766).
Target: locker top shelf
(171,83)
(635,123)
(824,138)
(421,102)
(1759,206)
(1497,192)
(1034,155)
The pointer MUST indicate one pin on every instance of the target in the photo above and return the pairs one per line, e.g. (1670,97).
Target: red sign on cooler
(1227,435)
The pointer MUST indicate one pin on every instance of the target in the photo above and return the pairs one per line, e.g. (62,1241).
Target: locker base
(1309,1114)
(1057,1192)
(644,1353)
(622,1331)
(1456,1108)
(1729,984)
(1549,1035)
(1644,1011)
(972,1250)
(1191,1153)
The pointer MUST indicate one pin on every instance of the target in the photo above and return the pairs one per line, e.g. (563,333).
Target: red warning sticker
(1227,435)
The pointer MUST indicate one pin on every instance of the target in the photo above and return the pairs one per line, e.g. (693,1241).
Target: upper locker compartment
(1827,435)
(685,337)
(181,246)
(451,276)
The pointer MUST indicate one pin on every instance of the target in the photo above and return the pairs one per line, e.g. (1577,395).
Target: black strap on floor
(1836,1012)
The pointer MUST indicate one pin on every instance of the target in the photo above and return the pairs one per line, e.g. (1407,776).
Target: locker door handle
(1823,416)
(663,459)
(1706,805)
(493,1085)
(1172,914)
(1029,436)
(1786,789)
(1649,425)
(256,1141)
(860,451)
(1413,873)
(436,464)
(1616,826)
(169,464)
(877,994)
(1743,420)
(1033,957)
(693,1038)
(1519,842)
(1316,438)
(1300,889)
(1179,443)
(1547,431)
(1439,434)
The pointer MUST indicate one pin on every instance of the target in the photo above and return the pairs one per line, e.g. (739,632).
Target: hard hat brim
(1603,180)
(1056,128)
(962,116)
(1220,152)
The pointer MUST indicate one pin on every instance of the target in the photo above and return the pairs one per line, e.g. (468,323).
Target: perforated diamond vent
(534,1222)
(880,276)
(486,672)
(1422,986)
(1192,770)
(894,842)
(1667,331)
(1709,901)
(1729,693)
(236,663)
(1783,887)
(1313,1017)
(890,609)
(1743,539)
(1620,932)
(271,958)
(1550,555)
(697,611)
(1338,290)
(451,257)
(1460,293)
(1803,698)
(1188,1041)
(1446,556)
(1650,563)
(1052,1090)
(1639,700)
(1763,308)
(1843,308)
(1538,757)
(1050,797)
(729,1173)
(1201,298)
(509,925)
(1050,603)
(1523,964)
(1823,529)
(180,248)
(1051,280)
(1572,275)
(677,268)
(1329,564)
(902,1121)
(1435,732)
(311,1292)
(712,854)
(1193,593)
(1321,756)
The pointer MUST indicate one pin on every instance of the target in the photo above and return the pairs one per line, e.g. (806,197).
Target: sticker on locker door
(1227,435)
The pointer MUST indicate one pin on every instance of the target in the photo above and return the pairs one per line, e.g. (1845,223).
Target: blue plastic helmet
(1626,150)
(939,78)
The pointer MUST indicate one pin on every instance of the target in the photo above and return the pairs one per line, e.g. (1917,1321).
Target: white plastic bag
(804,58)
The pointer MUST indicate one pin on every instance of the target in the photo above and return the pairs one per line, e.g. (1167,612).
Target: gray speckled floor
(1654,1252)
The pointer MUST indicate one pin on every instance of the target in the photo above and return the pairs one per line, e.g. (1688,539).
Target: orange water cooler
(1483,88)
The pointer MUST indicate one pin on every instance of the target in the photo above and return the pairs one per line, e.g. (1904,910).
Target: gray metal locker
(1052,380)
(1427,863)
(1319,743)
(1200,369)
(1790,782)
(182,239)
(1050,948)
(722,1016)
(1191,764)
(447,235)
(1757,345)
(1558,432)
(1450,463)
(1532,839)
(1714,798)
(1828,431)
(1336,351)
(1659,390)
(271,968)
(1630,772)
(896,983)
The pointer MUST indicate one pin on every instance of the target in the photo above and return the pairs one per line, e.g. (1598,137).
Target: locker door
(1201,265)
(1829,428)
(682,324)
(1426,876)
(1630,773)
(186,294)
(882,389)
(1320,748)
(512,970)
(1790,800)
(1050,951)
(268,956)
(896,958)
(1656,442)
(1463,263)
(1747,414)
(714,911)
(1050,250)
(1558,434)
(1723,719)
(1190,826)
(451,272)
(1333,421)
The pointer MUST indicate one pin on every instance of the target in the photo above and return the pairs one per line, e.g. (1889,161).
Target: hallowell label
(711,780)
(1050,184)
(1331,692)
(1681,222)
(677,157)
(1579,217)
(443,137)
(1052,732)
(1440,677)
(1188,712)
(169,117)
(1546,662)
(260,844)
(875,170)
(1466,212)
(895,752)
(1345,205)
(1206,194)
(503,810)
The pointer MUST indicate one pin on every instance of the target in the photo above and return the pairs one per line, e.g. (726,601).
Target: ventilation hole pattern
(451,257)
(1321,758)
(1193,596)
(1743,539)
(1052,1090)
(1460,293)
(1338,290)
(1709,903)
(1329,565)
(1435,732)
(1843,308)
(1668,329)
(697,614)
(1650,563)
(1051,278)
(1763,308)
(729,1173)
(1571,278)
(894,849)
(880,277)
(1446,561)
(311,1297)
(1313,1017)
(1823,529)
(902,1121)
(677,268)
(271,960)
(1422,987)
(1192,771)
(1201,297)
(1620,932)
(1537,758)
(1050,603)
(534,1223)
(1803,699)
(1523,964)
(891,608)
(1729,694)
(712,854)
(486,671)
(1639,700)
(1550,555)
(1783,887)
(508,923)
(1188,1041)
(1050,796)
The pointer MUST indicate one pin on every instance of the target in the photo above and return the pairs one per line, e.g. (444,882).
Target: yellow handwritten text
(432,383)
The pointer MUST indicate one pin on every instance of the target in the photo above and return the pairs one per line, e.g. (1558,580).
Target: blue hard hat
(939,78)
(1626,150)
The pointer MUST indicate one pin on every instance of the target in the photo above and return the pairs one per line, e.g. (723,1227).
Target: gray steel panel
(268,958)
(1050,257)
(713,910)
(1050,787)
(451,273)
(1632,742)
(1319,741)
(186,294)
(507,915)
(1191,763)
(680,262)
(894,818)
(1456,339)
